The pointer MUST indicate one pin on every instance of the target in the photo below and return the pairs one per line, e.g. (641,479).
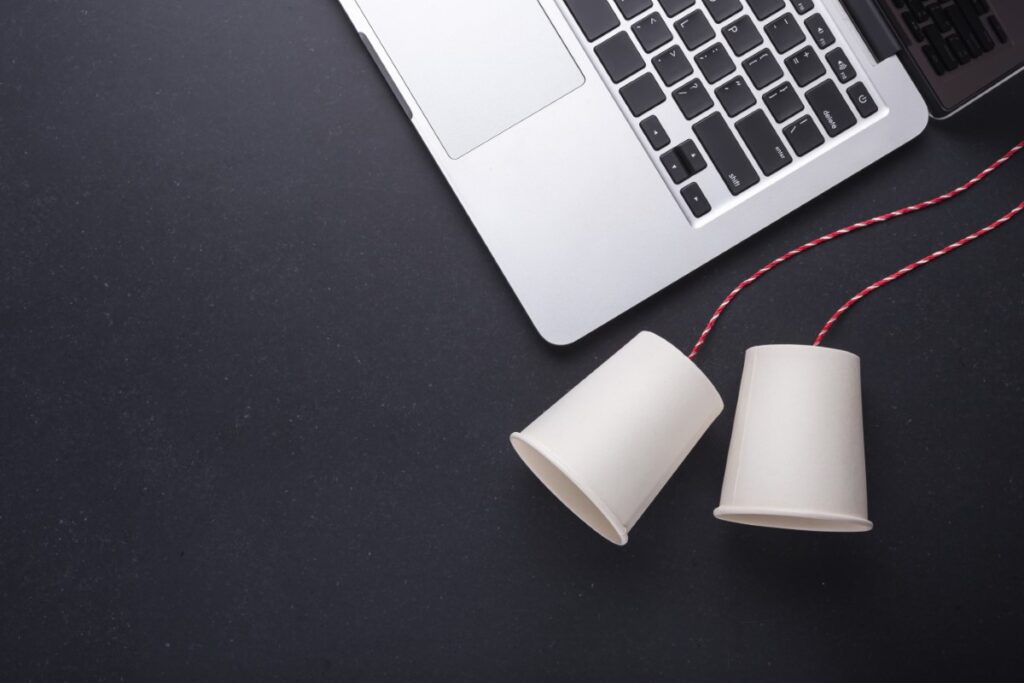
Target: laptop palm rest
(474,68)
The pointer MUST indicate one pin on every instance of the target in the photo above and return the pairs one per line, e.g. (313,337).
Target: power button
(862,100)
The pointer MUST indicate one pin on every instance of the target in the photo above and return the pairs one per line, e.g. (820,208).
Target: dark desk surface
(257,375)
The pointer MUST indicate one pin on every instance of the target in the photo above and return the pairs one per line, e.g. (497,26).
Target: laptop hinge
(874,28)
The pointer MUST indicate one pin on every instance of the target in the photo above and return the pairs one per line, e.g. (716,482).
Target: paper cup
(796,460)
(609,446)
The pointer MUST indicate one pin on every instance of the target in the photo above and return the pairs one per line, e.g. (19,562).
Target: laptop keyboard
(951,32)
(756,82)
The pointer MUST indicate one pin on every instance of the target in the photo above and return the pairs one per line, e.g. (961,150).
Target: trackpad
(475,67)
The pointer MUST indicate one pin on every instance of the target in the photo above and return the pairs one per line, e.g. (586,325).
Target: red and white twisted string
(845,231)
(911,268)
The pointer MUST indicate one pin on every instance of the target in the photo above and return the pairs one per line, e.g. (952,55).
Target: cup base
(797,520)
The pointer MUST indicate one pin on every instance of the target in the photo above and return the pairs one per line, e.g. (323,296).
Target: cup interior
(561,483)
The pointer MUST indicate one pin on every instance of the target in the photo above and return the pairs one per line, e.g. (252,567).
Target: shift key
(726,154)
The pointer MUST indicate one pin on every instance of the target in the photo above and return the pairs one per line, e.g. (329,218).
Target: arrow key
(696,200)
(656,135)
(691,156)
(675,166)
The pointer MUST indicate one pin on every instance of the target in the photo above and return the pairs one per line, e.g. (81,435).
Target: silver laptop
(606,148)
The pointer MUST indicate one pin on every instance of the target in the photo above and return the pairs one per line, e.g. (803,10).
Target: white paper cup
(796,460)
(609,446)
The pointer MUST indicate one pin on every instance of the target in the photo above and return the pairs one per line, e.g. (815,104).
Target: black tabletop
(259,372)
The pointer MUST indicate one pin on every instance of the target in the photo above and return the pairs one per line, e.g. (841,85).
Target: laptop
(606,148)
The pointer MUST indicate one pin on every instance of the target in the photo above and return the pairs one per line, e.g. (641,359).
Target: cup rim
(796,519)
(617,533)
(806,347)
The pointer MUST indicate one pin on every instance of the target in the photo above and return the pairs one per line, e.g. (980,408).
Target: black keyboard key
(726,154)
(763,9)
(695,30)
(655,134)
(862,100)
(933,59)
(965,32)
(940,18)
(762,68)
(682,161)
(674,165)
(651,32)
(619,57)
(631,8)
(841,66)
(643,94)
(936,41)
(715,63)
(997,29)
(979,29)
(672,65)
(763,142)
(805,66)
(819,30)
(803,6)
(722,9)
(959,50)
(803,135)
(691,156)
(695,199)
(674,7)
(784,33)
(692,99)
(735,96)
(783,102)
(742,36)
(912,27)
(832,111)
(595,17)
(917,10)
